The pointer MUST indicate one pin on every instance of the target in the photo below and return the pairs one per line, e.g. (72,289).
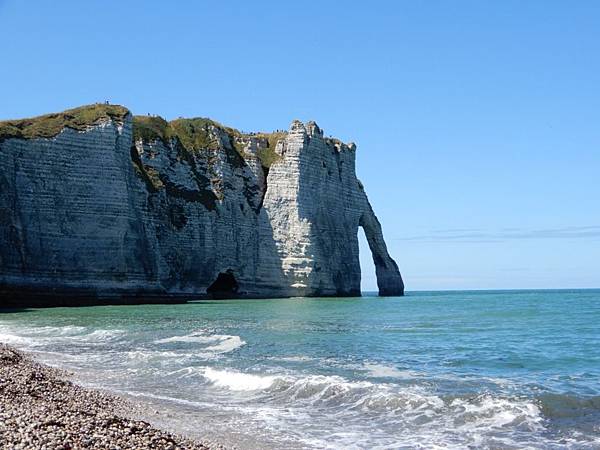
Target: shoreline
(41,407)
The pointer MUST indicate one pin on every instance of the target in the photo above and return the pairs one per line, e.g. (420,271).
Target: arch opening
(368,277)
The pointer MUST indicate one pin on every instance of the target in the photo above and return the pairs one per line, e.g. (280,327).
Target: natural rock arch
(389,280)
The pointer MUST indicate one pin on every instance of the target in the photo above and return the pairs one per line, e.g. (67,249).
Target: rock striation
(97,205)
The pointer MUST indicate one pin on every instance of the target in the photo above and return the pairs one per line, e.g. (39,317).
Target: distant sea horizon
(373,292)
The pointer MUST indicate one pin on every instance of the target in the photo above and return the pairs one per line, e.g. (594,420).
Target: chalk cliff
(99,206)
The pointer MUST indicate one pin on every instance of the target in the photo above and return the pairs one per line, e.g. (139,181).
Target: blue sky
(477,123)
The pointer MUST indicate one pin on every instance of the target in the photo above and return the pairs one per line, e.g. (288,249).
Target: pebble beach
(41,409)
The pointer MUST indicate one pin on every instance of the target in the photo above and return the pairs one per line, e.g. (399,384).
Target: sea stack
(99,206)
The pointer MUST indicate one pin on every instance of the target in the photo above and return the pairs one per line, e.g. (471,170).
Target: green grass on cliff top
(49,125)
(194,135)
(268,155)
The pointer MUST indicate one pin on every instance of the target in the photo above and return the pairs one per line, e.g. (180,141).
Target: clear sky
(477,122)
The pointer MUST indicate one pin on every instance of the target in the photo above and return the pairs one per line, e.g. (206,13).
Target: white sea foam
(10,338)
(102,335)
(226,344)
(49,334)
(67,330)
(32,336)
(148,355)
(238,381)
(490,412)
(317,388)
(330,390)
(219,343)
(197,337)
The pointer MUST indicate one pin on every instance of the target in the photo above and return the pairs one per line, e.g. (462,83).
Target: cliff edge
(99,206)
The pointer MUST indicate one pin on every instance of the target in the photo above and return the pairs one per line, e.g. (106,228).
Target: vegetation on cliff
(150,128)
(205,138)
(268,155)
(196,135)
(49,125)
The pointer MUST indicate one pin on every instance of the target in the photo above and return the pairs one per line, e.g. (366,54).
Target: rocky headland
(100,206)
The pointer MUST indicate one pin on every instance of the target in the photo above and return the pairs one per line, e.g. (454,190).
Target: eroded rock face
(96,215)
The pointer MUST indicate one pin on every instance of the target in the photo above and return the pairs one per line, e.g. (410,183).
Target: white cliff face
(92,215)
(68,214)
(315,204)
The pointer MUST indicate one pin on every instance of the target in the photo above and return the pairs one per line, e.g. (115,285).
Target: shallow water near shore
(496,369)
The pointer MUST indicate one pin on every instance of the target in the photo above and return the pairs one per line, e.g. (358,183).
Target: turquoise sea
(473,369)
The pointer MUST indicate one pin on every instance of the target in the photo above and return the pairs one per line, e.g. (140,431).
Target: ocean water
(491,369)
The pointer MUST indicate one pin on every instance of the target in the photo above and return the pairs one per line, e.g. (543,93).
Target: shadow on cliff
(220,250)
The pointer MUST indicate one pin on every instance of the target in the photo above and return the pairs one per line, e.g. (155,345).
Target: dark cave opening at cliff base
(225,286)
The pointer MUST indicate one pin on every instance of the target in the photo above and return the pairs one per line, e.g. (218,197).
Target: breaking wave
(415,409)
(237,381)
(364,395)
